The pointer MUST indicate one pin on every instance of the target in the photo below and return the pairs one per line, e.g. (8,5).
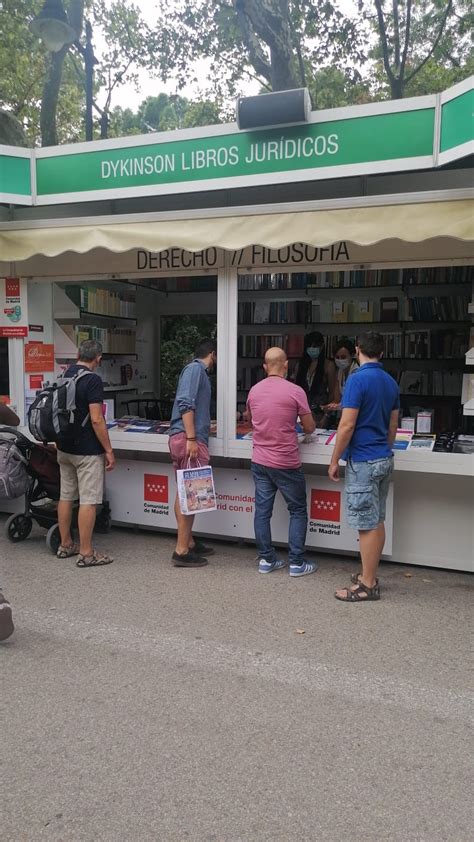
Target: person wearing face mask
(317,376)
(346,364)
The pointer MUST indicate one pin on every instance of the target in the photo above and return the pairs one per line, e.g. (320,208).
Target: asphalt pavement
(145,702)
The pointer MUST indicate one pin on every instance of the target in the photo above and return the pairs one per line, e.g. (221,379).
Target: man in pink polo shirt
(273,406)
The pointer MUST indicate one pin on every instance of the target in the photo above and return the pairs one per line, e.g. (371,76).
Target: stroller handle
(21,439)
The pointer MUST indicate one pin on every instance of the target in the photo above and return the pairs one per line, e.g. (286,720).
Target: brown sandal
(68,552)
(355,595)
(355,579)
(94,560)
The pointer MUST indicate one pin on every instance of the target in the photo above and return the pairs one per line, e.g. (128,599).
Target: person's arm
(102,434)
(192,448)
(344,434)
(392,430)
(188,388)
(8,417)
(308,423)
(304,412)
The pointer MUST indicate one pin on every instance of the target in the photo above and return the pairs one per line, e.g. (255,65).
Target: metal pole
(89,61)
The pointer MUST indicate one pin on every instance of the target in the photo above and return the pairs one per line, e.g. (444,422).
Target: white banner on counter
(143,493)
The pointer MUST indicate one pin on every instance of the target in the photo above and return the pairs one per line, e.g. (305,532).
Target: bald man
(274,406)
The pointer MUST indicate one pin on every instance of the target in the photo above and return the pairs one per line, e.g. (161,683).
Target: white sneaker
(303,569)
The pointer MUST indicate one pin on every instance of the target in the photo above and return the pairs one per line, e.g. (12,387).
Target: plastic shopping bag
(196,492)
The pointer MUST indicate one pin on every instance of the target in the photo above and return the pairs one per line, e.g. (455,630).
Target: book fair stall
(349,220)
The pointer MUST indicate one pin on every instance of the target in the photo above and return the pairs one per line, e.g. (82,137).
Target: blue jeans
(291,483)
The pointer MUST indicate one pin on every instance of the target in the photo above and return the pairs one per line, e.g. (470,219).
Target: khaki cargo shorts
(82,478)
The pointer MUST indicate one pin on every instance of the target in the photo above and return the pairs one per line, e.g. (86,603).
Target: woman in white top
(345,363)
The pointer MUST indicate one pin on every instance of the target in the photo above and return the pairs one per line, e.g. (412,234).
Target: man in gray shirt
(189,438)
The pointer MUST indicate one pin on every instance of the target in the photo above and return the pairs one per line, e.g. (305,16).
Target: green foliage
(180,337)
(422,47)
(23,63)
(278,42)
(163,113)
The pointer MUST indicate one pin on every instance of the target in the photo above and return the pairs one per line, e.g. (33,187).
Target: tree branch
(384,42)
(442,27)
(396,35)
(407,40)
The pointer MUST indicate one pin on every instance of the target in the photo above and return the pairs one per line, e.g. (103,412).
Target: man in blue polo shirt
(365,437)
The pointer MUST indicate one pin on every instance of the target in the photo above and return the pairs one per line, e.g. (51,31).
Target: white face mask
(343,364)
(313,353)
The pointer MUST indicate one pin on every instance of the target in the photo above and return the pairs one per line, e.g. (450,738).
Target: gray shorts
(366,489)
(82,478)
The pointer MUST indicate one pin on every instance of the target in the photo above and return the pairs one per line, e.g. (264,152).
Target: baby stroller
(42,495)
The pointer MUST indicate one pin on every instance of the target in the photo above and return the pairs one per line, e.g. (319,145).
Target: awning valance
(413,222)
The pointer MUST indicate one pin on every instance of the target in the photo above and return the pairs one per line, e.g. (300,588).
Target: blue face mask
(313,353)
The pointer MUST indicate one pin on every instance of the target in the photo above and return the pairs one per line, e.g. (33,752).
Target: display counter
(429,513)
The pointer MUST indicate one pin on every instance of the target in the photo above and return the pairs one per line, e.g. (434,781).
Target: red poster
(36,381)
(39,357)
(156,488)
(12,287)
(325,505)
(13,332)
(13,308)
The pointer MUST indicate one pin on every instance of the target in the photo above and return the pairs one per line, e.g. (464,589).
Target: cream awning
(195,231)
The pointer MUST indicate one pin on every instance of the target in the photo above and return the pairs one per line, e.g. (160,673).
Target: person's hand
(333,472)
(192,449)
(331,407)
(109,460)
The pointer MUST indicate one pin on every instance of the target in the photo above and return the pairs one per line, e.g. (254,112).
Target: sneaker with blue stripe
(265,566)
(303,569)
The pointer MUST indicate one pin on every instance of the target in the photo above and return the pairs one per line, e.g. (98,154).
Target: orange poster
(39,357)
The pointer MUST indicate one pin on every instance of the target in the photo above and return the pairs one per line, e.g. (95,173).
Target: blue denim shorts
(366,489)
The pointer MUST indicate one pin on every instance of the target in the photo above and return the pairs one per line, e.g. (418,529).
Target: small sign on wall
(36,381)
(13,308)
(39,357)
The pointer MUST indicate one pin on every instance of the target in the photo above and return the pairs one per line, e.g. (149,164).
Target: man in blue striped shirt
(189,438)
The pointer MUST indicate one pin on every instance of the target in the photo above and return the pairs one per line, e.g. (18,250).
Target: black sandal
(355,595)
(355,579)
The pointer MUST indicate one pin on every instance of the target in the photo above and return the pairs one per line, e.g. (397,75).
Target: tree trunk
(52,83)
(49,102)
(268,21)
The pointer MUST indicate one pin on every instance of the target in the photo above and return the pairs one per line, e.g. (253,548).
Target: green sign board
(379,137)
(457,121)
(305,149)
(15,175)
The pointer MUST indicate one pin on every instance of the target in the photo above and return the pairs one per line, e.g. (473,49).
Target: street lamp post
(54,29)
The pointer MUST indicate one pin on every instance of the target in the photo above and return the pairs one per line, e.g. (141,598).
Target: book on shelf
(438,308)
(113,341)
(340,312)
(389,308)
(106,302)
(294,344)
(418,345)
(257,345)
(431,383)
(361,311)
(413,383)
(261,313)
(437,275)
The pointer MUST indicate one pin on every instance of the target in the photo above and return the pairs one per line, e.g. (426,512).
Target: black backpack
(51,415)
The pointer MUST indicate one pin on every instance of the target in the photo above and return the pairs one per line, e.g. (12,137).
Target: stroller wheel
(53,538)
(18,527)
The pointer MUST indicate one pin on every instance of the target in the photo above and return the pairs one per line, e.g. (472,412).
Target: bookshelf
(421,312)
(91,311)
